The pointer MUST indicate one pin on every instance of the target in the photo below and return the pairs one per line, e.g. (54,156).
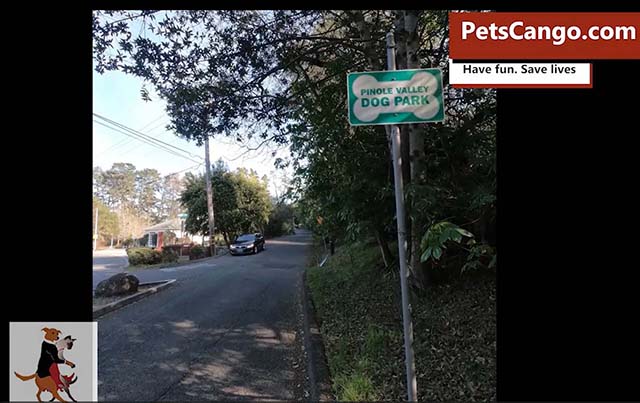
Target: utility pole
(95,232)
(407,325)
(212,245)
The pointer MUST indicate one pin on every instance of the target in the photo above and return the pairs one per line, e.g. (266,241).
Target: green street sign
(183,216)
(395,97)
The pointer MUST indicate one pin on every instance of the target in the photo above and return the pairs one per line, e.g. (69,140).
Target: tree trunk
(416,147)
(401,63)
(371,52)
(384,247)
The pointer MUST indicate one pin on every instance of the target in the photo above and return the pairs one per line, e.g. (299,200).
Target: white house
(175,225)
(156,232)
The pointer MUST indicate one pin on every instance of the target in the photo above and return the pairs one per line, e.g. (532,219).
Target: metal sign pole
(407,325)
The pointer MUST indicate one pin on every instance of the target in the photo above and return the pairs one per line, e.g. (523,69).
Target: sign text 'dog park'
(395,97)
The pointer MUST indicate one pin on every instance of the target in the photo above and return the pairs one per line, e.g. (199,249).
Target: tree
(119,185)
(169,203)
(253,200)
(99,185)
(107,221)
(280,220)
(221,71)
(125,191)
(242,204)
(147,187)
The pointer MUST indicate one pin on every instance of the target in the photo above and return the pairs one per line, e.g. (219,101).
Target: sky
(116,96)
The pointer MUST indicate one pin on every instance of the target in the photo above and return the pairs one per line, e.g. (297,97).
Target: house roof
(169,225)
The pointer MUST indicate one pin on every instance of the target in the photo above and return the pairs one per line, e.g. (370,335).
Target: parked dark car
(247,243)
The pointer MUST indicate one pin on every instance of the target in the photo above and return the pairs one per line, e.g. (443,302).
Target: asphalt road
(108,262)
(227,330)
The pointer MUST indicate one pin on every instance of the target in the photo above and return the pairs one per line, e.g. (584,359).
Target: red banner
(498,36)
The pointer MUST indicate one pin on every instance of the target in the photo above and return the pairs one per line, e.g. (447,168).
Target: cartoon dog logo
(47,376)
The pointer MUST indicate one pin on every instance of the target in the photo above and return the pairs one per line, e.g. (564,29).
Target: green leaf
(425,255)
(455,236)
(492,263)
(437,252)
(424,243)
(464,232)
(425,238)
(444,237)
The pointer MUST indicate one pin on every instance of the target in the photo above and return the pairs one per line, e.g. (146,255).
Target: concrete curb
(317,369)
(133,298)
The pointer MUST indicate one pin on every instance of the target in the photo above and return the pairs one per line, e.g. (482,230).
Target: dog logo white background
(25,341)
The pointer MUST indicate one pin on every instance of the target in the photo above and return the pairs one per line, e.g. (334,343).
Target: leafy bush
(169,255)
(130,243)
(196,252)
(140,256)
(433,242)
(175,248)
(481,256)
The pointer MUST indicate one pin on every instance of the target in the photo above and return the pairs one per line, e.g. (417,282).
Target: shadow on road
(238,364)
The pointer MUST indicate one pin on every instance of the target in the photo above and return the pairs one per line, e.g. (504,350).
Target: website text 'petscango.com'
(537,36)
(558,34)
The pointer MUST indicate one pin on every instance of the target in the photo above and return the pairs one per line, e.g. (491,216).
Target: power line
(144,140)
(153,121)
(139,133)
(148,139)
(156,126)
(145,136)
(186,169)
(114,146)
(126,141)
(135,147)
